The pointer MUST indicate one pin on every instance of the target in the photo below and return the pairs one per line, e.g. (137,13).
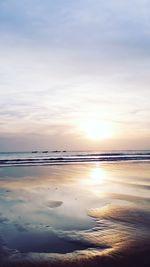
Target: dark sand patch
(54,204)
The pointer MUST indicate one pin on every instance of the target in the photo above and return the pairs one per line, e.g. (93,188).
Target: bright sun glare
(97,176)
(97,130)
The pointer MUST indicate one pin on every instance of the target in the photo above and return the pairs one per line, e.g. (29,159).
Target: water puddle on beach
(61,209)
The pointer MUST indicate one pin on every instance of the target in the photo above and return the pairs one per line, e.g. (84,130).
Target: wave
(70,158)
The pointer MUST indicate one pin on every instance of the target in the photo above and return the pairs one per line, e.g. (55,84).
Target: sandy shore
(75,215)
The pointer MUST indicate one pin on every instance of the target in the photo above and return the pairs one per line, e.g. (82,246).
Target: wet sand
(75,215)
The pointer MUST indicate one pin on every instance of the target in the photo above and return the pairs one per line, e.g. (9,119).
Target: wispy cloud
(62,61)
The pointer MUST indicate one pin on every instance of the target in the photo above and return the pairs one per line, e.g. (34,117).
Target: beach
(74,133)
(93,214)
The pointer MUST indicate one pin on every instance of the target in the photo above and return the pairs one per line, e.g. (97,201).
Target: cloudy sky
(66,64)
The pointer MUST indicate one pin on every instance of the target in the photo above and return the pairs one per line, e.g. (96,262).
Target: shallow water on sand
(93,214)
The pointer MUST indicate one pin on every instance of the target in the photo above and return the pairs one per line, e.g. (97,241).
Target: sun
(97,130)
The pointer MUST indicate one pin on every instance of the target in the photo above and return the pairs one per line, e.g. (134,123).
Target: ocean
(75,209)
(52,157)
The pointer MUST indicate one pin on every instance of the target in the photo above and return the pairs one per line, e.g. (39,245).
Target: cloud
(64,61)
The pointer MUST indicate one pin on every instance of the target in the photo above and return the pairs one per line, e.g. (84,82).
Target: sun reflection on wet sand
(97,176)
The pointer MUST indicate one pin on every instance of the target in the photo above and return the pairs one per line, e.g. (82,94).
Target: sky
(69,67)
